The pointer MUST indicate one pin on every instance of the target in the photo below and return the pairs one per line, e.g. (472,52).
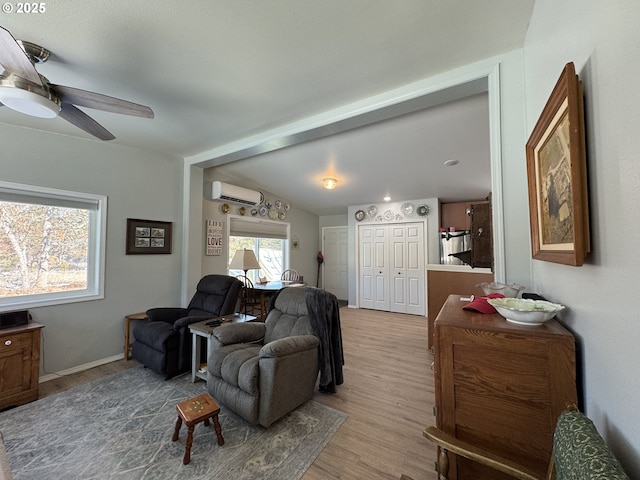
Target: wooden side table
(193,411)
(127,327)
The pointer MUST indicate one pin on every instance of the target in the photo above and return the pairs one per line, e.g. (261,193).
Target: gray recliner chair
(163,343)
(262,371)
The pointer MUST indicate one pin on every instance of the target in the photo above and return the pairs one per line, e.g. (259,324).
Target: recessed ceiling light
(387,198)
(451,163)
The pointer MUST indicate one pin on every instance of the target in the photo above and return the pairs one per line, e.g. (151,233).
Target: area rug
(120,427)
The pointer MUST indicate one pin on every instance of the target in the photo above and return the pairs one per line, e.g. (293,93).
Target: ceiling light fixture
(387,198)
(330,183)
(451,163)
(29,99)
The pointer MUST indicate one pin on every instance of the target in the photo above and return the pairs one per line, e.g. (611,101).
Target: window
(267,239)
(51,246)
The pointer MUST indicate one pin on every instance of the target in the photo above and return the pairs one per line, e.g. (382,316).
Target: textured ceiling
(215,72)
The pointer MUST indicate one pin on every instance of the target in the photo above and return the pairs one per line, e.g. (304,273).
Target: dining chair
(290,275)
(251,303)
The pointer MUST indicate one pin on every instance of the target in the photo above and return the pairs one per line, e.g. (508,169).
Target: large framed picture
(557,176)
(148,236)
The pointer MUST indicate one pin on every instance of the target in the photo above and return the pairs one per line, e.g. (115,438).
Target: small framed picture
(148,236)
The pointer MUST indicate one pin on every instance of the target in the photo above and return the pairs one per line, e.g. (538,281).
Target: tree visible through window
(51,246)
(43,249)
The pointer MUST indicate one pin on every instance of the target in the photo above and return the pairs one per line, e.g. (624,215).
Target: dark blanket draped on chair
(324,314)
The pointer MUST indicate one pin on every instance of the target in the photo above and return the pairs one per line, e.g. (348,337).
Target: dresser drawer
(17,340)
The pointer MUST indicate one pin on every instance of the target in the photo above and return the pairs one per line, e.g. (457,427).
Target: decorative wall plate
(273,214)
(225,208)
(372,210)
(423,210)
(268,204)
(254,212)
(408,209)
(388,215)
(242,211)
(287,207)
(282,214)
(263,211)
(360,215)
(278,204)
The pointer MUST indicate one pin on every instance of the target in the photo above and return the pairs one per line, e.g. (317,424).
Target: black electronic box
(13,319)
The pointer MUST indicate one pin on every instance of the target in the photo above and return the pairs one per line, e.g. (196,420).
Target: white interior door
(335,250)
(374,267)
(415,269)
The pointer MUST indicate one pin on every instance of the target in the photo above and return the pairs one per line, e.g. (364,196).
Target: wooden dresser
(19,364)
(501,386)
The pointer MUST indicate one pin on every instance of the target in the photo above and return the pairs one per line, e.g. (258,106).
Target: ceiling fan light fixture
(29,102)
(330,183)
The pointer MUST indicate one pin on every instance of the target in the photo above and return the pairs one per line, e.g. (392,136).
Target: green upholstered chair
(579,453)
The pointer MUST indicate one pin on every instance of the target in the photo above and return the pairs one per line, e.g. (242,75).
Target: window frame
(96,252)
(264,226)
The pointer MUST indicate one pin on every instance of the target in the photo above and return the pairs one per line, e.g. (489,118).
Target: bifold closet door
(407,269)
(374,267)
(392,268)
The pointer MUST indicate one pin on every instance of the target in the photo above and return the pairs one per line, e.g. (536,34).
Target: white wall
(304,225)
(138,184)
(602,40)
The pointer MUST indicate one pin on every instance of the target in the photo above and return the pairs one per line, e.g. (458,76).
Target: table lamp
(244,259)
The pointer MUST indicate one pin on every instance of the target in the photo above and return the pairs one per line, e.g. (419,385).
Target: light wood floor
(387,393)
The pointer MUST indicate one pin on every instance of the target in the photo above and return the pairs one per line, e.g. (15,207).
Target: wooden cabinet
(475,217)
(501,386)
(481,236)
(19,364)
(442,283)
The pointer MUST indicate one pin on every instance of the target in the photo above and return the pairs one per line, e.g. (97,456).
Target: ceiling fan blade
(85,122)
(14,59)
(98,101)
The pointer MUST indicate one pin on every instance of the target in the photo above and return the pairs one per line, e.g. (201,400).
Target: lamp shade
(244,259)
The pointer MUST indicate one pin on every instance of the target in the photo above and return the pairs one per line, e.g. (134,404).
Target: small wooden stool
(192,412)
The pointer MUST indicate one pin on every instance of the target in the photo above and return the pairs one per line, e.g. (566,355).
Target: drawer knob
(8,342)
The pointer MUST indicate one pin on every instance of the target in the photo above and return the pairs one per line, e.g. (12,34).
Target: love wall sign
(214,237)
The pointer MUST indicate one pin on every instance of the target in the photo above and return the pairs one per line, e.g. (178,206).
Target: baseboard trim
(80,368)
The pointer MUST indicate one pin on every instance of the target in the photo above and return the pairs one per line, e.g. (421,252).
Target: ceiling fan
(23,89)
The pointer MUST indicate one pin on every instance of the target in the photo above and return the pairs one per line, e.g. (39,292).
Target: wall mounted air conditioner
(231,193)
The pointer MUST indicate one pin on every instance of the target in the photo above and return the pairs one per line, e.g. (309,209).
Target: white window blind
(257,227)
(45,196)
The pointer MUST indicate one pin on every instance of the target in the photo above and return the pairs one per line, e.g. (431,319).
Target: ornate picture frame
(557,176)
(148,237)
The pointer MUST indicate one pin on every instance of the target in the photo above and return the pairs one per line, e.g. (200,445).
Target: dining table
(269,288)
